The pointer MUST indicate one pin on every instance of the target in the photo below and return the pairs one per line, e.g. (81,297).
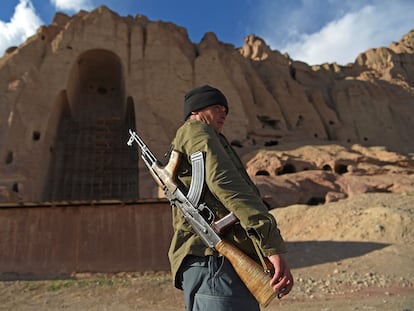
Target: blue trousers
(210,283)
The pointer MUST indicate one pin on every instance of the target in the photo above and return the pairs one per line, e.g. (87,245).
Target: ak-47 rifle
(254,276)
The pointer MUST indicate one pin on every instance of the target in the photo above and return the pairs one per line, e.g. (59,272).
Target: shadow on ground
(309,253)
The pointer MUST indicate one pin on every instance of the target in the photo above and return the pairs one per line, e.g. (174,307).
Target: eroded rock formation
(70,92)
(316,174)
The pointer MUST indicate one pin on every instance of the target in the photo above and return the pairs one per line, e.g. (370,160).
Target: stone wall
(61,240)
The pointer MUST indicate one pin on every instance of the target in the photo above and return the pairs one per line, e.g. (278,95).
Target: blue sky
(313,31)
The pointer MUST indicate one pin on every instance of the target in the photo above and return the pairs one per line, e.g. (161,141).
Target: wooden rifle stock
(251,273)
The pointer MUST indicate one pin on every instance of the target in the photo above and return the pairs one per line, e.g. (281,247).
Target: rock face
(320,174)
(69,94)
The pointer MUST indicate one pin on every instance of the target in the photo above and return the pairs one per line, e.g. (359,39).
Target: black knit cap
(202,97)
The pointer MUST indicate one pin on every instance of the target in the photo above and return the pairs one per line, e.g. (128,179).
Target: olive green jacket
(228,188)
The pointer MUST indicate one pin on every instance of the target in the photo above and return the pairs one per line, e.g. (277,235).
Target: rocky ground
(354,254)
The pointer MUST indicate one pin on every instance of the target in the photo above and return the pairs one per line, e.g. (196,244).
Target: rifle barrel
(146,154)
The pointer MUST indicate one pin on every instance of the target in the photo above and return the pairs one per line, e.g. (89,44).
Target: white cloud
(339,41)
(343,39)
(22,25)
(72,5)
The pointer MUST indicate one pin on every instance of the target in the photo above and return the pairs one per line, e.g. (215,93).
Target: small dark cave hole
(15,188)
(262,173)
(300,120)
(316,201)
(271,143)
(9,157)
(36,135)
(287,169)
(327,167)
(292,72)
(341,169)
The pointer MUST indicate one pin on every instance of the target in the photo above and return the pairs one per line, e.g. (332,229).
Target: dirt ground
(356,254)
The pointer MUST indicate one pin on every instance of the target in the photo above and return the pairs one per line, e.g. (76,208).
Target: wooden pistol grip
(220,226)
(251,273)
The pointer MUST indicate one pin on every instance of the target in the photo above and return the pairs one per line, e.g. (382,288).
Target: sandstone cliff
(69,94)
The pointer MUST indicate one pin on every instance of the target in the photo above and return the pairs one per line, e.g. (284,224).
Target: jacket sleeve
(230,184)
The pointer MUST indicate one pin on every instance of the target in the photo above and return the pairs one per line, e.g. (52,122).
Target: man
(208,280)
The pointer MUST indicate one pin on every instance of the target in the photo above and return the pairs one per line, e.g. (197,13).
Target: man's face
(213,115)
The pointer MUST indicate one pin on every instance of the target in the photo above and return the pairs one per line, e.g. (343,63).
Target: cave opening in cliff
(9,157)
(90,159)
(262,173)
(288,168)
(340,168)
(316,201)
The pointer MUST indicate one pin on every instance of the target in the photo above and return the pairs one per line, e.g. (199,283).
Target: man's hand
(282,280)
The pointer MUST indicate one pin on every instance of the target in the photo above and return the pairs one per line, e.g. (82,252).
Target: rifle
(256,279)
